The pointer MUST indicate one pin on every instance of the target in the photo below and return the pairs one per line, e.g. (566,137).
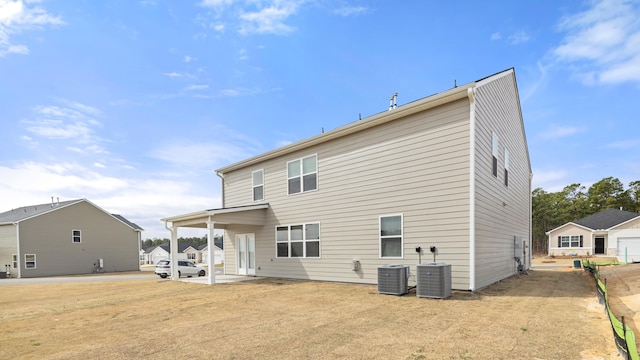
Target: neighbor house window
(302,174)
(506,167)
(391,236)
(494,152)
(30,261)
(573,241)
(75,236)
(298,240)
(191,256)
(14,261)
(258,185)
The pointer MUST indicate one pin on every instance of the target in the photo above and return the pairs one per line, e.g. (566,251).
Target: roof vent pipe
(52,201)
(393,101)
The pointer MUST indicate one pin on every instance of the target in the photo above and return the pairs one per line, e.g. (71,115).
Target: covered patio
(211,220)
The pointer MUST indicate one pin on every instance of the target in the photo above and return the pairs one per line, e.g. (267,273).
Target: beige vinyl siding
(573,230)
(417,166)
(103,236)
(501,212)
(8,245)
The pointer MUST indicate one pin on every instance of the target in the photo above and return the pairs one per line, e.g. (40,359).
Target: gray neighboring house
(449,171)
(67,238)
(610,232)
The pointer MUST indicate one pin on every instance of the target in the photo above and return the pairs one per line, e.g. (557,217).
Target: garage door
(629,247)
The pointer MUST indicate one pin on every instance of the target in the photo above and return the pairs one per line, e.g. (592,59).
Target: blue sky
(134,104)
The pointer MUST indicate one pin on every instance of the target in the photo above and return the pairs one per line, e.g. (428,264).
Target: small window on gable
(302,175)
(258,185)
(76,237)
(30,261)
(506,167)
(494,152)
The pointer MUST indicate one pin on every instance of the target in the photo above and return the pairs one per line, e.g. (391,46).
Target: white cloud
(17,16)
(603,42)
(74,122)
(518,38)
(496,36)
(555,132)
(269,20)
(549,180)
(351,10)
(196,87)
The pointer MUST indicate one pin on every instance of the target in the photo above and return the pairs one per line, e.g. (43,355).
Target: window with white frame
(14,261)
(391,236)
(30,261)
(573,241)
(302,174)
(298,240)
(191,256)
(76,237)
(494,152)
(506,167)
(258,185)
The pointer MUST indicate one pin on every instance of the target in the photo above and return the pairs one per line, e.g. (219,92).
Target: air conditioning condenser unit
(433,280)
(392,279)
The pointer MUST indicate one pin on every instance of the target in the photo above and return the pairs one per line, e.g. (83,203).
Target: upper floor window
(302,174)
(14,261)
(76,237)
(494,152)
(506,167)
(391,236)
(258,185)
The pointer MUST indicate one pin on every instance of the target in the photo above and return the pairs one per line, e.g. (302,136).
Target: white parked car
(185,268)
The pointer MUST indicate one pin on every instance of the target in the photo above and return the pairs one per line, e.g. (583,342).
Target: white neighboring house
(611,232)
(219,257)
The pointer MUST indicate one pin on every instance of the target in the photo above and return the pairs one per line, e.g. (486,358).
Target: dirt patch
(623,286)
(545,315)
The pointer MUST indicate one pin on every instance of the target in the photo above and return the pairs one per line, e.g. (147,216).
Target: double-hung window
(258,185)
(506,167)
(573,241)
(30,261)
(391,236)
(301,240)
(76,236)
(191,256)
(494,153)
(302,174)
(14,261)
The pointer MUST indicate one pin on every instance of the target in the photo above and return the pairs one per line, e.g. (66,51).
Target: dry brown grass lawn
(543,315)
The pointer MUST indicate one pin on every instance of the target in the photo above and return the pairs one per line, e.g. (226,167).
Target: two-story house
(449,172)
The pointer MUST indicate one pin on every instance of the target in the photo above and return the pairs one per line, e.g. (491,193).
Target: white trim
(18,249)
(401,236)
(472,189)
(213,212)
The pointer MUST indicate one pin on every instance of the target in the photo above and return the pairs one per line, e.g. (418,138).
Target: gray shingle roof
(606,219)
(26,212)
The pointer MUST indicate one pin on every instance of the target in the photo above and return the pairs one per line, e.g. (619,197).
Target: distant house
(611,232)
(186,251)
(449,172)
(65,238)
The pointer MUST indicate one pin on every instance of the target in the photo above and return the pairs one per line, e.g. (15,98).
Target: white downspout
(211,252)
(472,188)
(18,250)
(173,246)
(221,176)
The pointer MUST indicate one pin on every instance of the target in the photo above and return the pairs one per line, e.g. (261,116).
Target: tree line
(191,240)
(574,202)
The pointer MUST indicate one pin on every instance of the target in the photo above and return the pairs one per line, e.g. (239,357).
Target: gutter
(221,176)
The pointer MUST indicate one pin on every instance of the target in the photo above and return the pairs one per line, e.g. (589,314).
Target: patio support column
(211,252)
(173,249)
